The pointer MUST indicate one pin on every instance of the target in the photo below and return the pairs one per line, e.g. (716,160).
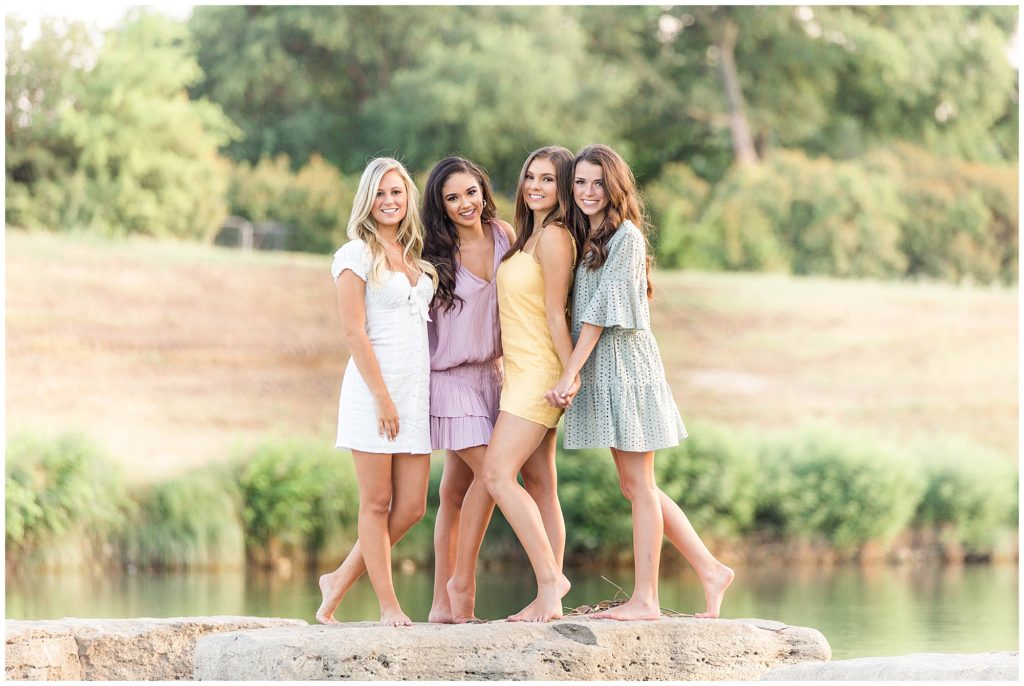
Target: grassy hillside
(171,354)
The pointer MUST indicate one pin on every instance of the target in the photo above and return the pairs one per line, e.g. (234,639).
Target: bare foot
(714,591)
(440,609)
(440,616)
(631,610)
(394,617)
(462,602)
(331,599)
(518,617)
(547,605)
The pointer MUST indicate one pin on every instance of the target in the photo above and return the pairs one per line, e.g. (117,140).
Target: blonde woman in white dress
(384,289)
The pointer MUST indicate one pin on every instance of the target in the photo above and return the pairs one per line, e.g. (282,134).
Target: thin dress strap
(571,241)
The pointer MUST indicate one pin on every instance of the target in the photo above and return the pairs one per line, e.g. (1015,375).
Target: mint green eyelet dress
(624,401)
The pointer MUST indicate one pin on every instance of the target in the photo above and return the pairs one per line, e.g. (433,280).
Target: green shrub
(315,201)
(736,229)
(837,487)
(970,493)
(962,217)
(712,476)
(299,499)
(674,200)
(894,212)
(64,502)
(193,521)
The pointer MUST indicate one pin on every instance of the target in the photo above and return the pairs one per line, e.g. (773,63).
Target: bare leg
(455,481)
(540,479)
(636,476)
(334,585)
(390,487)
(477,508)
(512,442)
(714,576)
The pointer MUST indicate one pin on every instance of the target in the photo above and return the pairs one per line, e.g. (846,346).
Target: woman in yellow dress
(534,280)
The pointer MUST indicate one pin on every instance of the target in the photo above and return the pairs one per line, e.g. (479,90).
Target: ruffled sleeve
(353,255)
(621,295)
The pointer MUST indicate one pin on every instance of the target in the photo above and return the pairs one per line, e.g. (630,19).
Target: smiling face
(540,186)
(463,200)
(391,201)
(589,192)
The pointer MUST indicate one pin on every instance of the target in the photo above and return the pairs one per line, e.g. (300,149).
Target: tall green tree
(295,78)
(498,84)
(40,84)
(353,82)
(147,155)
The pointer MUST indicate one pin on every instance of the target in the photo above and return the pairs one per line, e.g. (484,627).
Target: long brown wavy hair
(441,240)
(565,212)
(624,202)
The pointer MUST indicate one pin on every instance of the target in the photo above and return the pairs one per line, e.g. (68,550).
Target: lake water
(878,610)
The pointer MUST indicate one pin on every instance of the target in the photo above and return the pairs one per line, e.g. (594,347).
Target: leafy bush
(894,212)
(841,488)
(314,202)
(64,503)
(713,478)
(969,493)
(299,498)
(675,200)
(193,521)
(962,217)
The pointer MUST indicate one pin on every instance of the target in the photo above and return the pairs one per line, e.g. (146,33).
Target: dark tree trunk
(739,128)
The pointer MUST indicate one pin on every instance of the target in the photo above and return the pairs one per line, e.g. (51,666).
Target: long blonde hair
(410,230)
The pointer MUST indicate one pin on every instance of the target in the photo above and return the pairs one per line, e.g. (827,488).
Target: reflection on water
(877,610)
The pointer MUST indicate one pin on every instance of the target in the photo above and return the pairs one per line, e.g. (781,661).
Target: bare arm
(351,302)
(562,394)
(554,252)
(510,233)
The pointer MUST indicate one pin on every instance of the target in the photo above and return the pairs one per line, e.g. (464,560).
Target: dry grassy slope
(172,354)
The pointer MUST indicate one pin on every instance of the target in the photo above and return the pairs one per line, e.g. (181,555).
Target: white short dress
(396,323)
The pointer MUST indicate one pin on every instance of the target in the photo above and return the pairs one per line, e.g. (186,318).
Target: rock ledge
(114,649)
(568,649)
(913,667)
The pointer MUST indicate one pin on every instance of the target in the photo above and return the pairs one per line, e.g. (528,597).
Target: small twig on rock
(614,602)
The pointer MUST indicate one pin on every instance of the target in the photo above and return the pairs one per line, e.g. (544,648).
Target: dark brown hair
(624,203)
(565,212)
(441,239)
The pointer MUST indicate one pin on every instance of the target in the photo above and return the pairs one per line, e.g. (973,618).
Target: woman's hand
(387,417)
(564,391)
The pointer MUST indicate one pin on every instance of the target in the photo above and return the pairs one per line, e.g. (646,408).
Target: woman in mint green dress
(624,402)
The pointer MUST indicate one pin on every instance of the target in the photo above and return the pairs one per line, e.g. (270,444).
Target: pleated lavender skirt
(463,406)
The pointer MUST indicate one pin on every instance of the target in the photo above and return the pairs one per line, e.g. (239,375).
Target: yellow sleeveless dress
(531,364)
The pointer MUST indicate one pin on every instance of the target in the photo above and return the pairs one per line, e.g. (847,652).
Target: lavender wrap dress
(465,346)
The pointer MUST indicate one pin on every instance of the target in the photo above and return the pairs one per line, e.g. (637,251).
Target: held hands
(563,392)
(387,417)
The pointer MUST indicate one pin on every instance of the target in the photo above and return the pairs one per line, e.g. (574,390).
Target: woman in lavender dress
(465,243)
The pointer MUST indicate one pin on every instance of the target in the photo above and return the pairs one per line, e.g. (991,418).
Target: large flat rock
(114,649)
(575,648)
(914,667)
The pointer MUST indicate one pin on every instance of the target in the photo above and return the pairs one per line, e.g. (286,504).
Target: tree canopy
(150,131)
